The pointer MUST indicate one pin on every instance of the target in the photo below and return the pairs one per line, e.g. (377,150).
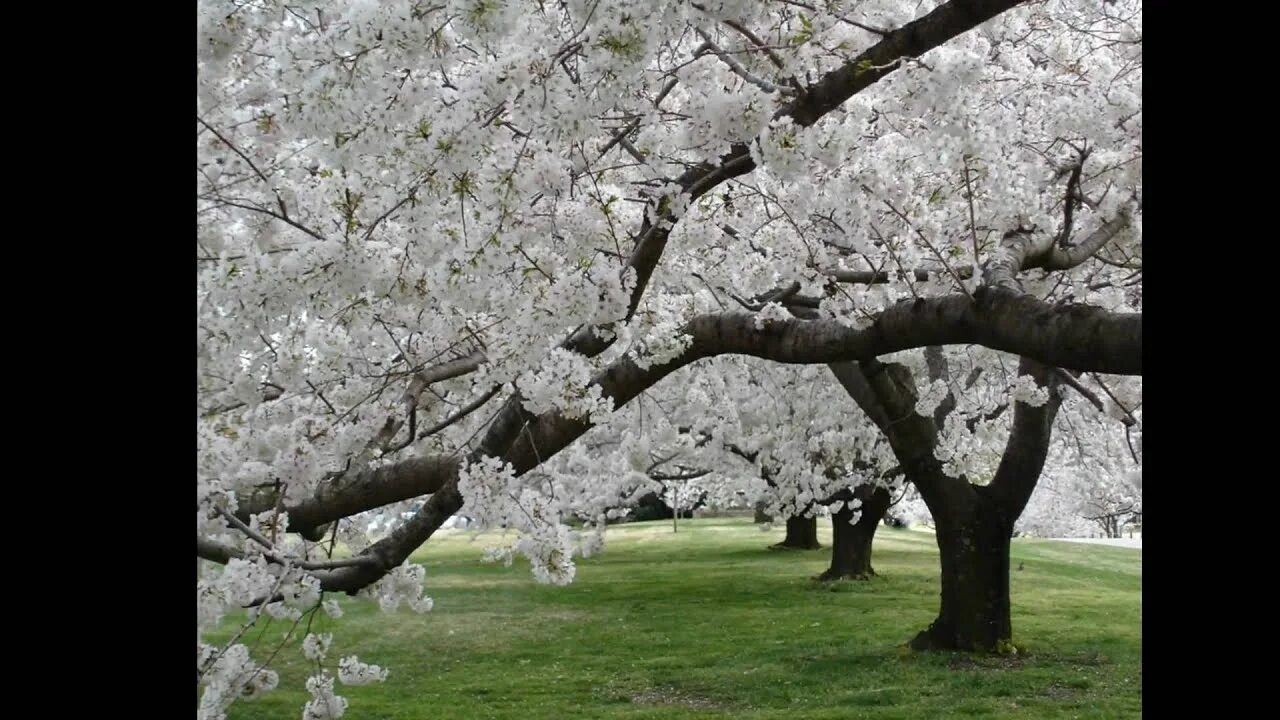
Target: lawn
(708,622)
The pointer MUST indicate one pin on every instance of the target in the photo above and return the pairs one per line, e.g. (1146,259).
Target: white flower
(353,672)
(323,705)
(1025,390)
(316,646)
(332,608)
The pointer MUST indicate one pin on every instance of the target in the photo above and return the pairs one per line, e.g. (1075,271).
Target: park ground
(709,623)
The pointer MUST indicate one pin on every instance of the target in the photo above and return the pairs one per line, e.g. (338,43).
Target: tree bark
(851,544)
(802,534)
(973,545)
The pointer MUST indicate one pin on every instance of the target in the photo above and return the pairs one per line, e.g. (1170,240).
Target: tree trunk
(974,523)
(802,534)
(851,547)
(973,544)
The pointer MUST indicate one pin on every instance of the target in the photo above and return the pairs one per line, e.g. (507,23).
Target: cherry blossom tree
(438,243)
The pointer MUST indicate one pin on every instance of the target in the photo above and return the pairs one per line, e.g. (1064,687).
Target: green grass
(710,623)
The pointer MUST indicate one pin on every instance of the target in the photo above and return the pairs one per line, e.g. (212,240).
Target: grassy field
(710,623)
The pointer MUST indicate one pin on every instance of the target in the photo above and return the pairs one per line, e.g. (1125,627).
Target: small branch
(271,213)
(1128,419)
(713,290)
(320,395)
(1060,258)
(240,525)
(234,149)
(739,70)
(439,373)
(1128,439)
(271,393)
(760,44)
(841,18)
(925,240)
(222,554)
(1086,392)
(693,475)
(971,423)
(973,222)
(462,412)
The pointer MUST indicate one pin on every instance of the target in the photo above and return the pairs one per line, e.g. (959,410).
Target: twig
(1086,392)
(1128,419)
(841,18)
(461,413)
(741,71)
(929,245)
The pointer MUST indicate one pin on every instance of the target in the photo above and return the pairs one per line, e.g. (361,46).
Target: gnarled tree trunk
(851,543)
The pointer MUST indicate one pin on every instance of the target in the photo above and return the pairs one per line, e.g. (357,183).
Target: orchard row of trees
(531,259)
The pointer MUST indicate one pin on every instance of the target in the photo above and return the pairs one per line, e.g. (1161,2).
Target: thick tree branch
(338,498)
(1081,337)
